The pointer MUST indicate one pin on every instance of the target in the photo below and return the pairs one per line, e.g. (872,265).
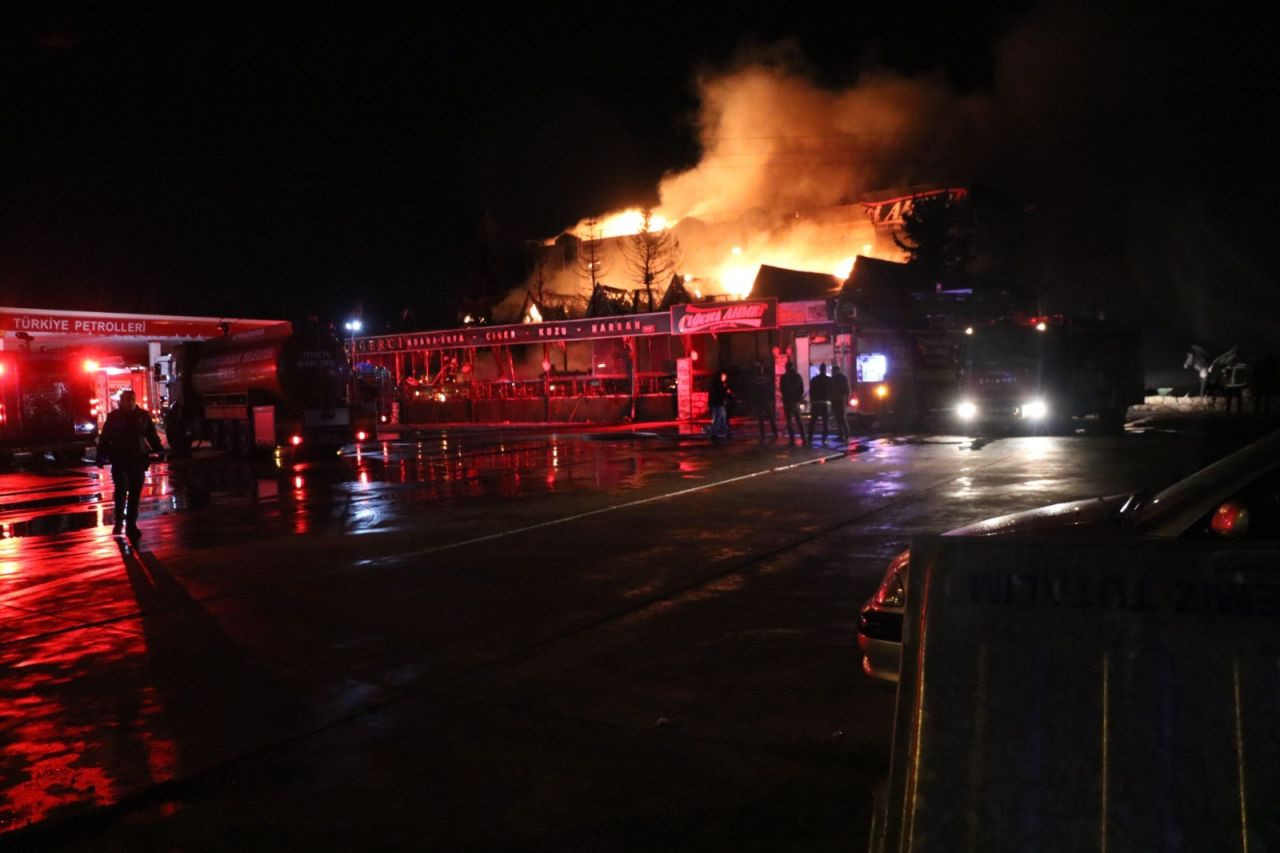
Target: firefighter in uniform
(127,438)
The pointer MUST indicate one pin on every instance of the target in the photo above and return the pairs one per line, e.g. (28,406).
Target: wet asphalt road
(484,640)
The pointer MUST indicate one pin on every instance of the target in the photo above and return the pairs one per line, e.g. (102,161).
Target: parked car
(1235,498)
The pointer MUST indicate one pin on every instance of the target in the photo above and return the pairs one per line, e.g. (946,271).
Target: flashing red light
(693,356)
(1230,519)
(853,402)
(295,440)
(90,366)
(1,368)
(361,435)
(382,419)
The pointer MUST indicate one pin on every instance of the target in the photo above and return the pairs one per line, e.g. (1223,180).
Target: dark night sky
(211,160)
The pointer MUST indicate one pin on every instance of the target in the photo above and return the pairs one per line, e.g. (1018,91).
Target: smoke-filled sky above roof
(253,162)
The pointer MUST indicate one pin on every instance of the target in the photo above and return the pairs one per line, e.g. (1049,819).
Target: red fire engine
(48,402)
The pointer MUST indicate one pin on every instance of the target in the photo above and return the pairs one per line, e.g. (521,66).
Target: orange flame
(624,223)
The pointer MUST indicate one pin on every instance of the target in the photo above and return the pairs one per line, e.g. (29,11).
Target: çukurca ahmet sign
(746,316)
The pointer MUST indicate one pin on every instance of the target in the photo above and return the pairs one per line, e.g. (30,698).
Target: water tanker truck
(1041,372)
(279,386)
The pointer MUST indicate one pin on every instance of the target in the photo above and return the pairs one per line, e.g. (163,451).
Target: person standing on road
(819,403)
(792,387)
(839,397)
(718,401)
(127,438)
(763,399)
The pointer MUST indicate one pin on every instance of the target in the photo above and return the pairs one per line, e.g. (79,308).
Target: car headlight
(967,410)
(1035,409)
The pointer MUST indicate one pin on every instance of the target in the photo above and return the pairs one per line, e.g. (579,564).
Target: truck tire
(176,432)
(1059,424)
(1111,421)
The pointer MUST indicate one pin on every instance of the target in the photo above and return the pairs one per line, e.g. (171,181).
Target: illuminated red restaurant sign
(888,212)
(523,333)
(95,324)
(746,316)
(682,319)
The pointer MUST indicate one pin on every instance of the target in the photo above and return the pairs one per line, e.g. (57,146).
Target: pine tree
(651,255)
(931,236)
(591,254)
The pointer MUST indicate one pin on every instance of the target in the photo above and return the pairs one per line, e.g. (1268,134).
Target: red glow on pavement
(67,747)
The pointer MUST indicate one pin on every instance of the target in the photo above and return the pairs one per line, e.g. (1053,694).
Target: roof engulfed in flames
(624,223)
(783,161)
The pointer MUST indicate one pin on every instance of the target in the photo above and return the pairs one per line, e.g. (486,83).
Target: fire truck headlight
(967,410)
(882,391)
(1035,410)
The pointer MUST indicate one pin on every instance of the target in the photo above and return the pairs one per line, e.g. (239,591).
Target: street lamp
(352,326)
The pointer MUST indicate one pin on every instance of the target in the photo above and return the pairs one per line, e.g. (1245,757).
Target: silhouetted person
(819,403)
(792,387)
(763,399)
(128,437)
(839,397)
(718,401)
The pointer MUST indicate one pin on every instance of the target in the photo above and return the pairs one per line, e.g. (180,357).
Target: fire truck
(276,386)
(1042,371)
(47,402)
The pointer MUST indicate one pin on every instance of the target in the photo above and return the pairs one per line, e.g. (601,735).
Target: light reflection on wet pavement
(402,473)
(97,641)
(67,611)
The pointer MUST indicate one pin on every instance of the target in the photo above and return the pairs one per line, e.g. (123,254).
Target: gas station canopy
(59,329)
